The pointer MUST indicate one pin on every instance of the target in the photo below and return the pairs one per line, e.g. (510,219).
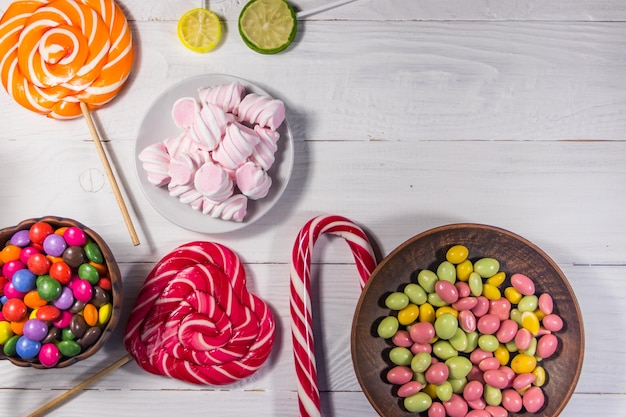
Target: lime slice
(267,26)
(199,30)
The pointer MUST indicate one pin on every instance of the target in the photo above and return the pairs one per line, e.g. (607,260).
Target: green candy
(48,288)
(444,350)
(88,273)
(427,280)
(435,300)
(444,391)
(417,403)
(472,342)
(486,267)
(66,334)
(475,283)
(400,356)
(459,340)
(493,396)
(68,348)
(93,253)
(459,367)
(446,271)
(488,342)
(528,303)
(421,362)
(458,385)
(446,326)
(416,294)
(388,327)
(10,346)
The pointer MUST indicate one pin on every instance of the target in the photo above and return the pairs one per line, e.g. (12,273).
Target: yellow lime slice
(267,26)
(199,30)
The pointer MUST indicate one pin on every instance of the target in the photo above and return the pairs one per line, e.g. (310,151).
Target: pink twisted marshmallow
(195,320)
(300,300)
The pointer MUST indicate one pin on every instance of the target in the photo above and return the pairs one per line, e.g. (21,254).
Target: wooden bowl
(116,290)
(426,251)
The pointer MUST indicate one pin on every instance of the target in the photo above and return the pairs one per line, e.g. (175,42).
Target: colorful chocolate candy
(464,345)
(55,295)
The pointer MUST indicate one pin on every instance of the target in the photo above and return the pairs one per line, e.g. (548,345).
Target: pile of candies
(55,293)
(464,347)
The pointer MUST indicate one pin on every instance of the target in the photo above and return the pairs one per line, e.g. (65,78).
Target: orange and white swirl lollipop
(57,54)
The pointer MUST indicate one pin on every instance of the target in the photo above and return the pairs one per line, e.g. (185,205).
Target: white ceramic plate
(158,125)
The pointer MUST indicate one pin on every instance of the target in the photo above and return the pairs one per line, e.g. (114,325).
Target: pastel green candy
(446,271)
(488,342)
(486,267)
(420,377)
(427,280)
(68,348)
(394,301)
(532,349)
(416,294)
(93,253)
(435,300)
(459,340)
(458,385)
(446,326)
(511,346)
(388,327)
(89,273)
(516,316)
(459,367)
(444,350)
(475,283)
(421,362)
(492,395)
(528,303)
(472,342)
(417,403)
(400,356)
(444,391)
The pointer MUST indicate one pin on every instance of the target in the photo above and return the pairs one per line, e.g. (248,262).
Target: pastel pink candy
(179,145)
(253,181)
(234,208)
(209,125)
(183,168)
(264,153)
(186,194)
(227,96)
(155,161)
(261,110)
(183,111)
(238,143)
(213,182)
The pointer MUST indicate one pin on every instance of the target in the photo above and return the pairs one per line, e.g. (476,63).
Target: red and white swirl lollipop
(300,299)
(195,320)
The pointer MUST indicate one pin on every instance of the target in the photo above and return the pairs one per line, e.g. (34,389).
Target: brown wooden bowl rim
(116,290)
(479,226)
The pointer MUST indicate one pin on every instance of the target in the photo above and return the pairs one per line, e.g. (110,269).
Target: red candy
(39,264)
(38,232)
(61,271)
(14,309)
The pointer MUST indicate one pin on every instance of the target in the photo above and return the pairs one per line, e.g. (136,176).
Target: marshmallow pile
(221,157)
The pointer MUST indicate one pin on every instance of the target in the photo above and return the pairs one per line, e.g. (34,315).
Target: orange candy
(33,300)
(58,54)
(90,314)
(10,253)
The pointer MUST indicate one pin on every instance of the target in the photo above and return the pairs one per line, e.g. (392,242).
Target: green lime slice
(267,26)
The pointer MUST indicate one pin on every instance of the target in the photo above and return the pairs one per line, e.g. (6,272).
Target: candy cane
(300,300)
(194,319)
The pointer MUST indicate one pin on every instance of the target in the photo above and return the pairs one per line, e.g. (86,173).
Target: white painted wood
(406,115)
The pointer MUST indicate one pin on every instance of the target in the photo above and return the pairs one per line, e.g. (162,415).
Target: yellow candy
(431,390)
(457,254)
(408,314)
(491,292)
(540,376)
(464,269)
(5,332)
(104,314)
(446,309)
(502,354)
(33,314)
(540,314)
(512,295)
(427,313)
(497,279)
(530,322)
(522,363)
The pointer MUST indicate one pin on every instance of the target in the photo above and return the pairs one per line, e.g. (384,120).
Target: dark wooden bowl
(426,251)
(116,290)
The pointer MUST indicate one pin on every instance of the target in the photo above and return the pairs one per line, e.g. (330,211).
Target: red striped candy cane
(300,300)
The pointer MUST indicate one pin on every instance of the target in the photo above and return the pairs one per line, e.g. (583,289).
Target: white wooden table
(406,115)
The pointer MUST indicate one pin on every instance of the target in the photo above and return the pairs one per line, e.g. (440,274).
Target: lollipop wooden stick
(323,8)
(109,172)
(78,388)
